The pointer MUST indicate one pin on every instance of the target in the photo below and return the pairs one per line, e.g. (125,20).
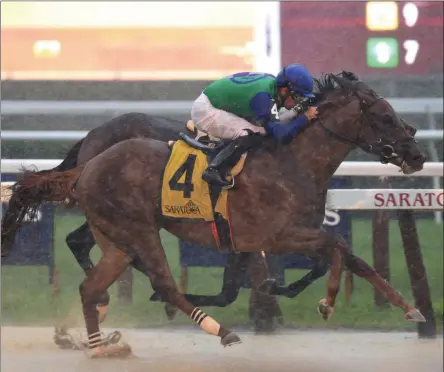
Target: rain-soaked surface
(183,350)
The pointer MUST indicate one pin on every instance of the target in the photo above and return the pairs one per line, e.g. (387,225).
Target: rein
(384,149)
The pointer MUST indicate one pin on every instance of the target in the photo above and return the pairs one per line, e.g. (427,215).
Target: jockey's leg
(219,123)
(227,126)
(227,158)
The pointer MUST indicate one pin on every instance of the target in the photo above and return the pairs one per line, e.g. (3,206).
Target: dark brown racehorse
(265,312)
(278,207)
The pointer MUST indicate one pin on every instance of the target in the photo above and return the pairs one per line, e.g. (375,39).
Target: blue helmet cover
(297,78)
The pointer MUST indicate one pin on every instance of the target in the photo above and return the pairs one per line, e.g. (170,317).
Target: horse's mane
(325,84)
(328,83)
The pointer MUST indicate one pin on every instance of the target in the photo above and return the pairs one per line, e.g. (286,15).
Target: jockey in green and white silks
(250,101)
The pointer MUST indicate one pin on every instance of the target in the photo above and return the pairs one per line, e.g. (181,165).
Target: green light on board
(382,52)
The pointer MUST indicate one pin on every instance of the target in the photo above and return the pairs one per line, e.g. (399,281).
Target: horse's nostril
(419,158)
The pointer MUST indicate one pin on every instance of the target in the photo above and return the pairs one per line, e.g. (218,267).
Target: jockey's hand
(311,113)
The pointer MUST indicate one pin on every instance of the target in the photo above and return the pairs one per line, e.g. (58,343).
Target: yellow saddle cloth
(185,195)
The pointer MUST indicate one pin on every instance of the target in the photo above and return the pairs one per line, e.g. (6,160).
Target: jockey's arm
(268,116)
(286,132)
(287,115)
(264,108)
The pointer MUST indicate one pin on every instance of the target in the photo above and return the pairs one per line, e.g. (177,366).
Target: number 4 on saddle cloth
(186,196)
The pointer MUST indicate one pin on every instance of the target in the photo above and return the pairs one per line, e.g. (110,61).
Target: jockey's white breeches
(218,123)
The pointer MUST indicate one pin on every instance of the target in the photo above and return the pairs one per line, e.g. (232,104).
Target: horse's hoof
(113,338)
(65,341)
(230,339)
(156,297)
(267,287)
(414,316)
(121,350)
(170,311)
(102,310)
(265,326)
(324,309)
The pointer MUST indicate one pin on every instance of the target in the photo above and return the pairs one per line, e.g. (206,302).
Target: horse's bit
(386,151)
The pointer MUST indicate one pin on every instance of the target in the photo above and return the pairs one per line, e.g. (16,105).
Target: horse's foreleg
(264,308)
(149,249)
(359,267)
(271,286)
(326,305)
(320,242)
(234,274)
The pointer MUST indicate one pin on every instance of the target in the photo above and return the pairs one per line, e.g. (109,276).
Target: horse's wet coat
(265,311)
(279,217)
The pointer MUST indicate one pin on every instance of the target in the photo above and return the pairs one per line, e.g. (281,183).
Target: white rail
(355,199)
(366,168)
(348,168)
(372,199)
(74,135)
(94,108)
(67,108)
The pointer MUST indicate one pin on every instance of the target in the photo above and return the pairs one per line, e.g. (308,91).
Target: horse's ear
(350,75)
(343,83)
(316,99)
(411,130)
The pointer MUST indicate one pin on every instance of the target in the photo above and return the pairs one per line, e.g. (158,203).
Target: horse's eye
(411,131)
(387,120)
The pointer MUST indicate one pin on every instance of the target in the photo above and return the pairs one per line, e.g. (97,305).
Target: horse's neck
(308,162)
(318,154)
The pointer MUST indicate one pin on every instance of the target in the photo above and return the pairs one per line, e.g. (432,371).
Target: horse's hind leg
(271,286)
(112,264)
(359,267)
(149,248)
(80,242)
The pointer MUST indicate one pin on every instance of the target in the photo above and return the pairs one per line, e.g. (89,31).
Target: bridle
(385,149)
(297,97)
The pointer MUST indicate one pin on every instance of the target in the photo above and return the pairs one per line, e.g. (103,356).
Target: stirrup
(229,186)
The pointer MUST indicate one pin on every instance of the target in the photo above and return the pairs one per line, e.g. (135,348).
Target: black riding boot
(227,158)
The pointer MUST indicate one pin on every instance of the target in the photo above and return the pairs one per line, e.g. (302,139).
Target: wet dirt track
(31,349)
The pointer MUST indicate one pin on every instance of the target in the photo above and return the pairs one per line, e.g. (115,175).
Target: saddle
(206,149)
(204,144)
(186,196)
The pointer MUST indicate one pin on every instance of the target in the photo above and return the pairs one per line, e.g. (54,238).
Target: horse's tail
(26,200)
(70,160)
